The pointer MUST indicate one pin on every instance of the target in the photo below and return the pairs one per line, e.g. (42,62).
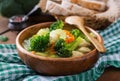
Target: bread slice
(91,4)
(55,8)
(42,5)
(76,9)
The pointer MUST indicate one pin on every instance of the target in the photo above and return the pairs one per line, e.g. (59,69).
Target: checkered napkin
(13,69)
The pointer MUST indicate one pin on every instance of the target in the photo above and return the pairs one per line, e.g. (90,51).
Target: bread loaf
(57,9)
(42,5)
(113,11)
(90,4)
(77,10)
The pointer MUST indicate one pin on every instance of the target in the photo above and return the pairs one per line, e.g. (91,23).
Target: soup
(58,41)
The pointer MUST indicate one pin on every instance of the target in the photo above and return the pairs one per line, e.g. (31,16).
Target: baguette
(76,9)
(90,4)
(55,8)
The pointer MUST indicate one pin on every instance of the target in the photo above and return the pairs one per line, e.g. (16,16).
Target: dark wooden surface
(110,74)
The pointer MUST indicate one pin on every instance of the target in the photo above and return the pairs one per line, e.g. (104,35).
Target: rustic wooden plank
(3,24)
(11,37)
(110,74)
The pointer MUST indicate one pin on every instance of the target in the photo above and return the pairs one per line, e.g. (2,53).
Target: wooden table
(110,74)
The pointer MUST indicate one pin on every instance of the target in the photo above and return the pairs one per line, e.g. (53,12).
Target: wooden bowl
(55,66)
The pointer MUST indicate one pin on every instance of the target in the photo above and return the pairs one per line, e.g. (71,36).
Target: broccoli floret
(73,45)
(56,25)
(3,38)
(59,44)
(65,50)
(10,8)
(77,32)
(39,43)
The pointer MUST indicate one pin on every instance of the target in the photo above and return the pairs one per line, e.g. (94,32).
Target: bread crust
(55,8)
(76,9)
(94,5)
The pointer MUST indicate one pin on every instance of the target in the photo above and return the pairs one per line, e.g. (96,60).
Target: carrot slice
(33,52)
(70,37)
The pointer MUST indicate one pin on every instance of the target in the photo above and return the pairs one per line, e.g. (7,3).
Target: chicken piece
(84,49)
(77,53)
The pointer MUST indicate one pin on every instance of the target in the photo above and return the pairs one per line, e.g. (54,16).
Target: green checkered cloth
(13,69)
